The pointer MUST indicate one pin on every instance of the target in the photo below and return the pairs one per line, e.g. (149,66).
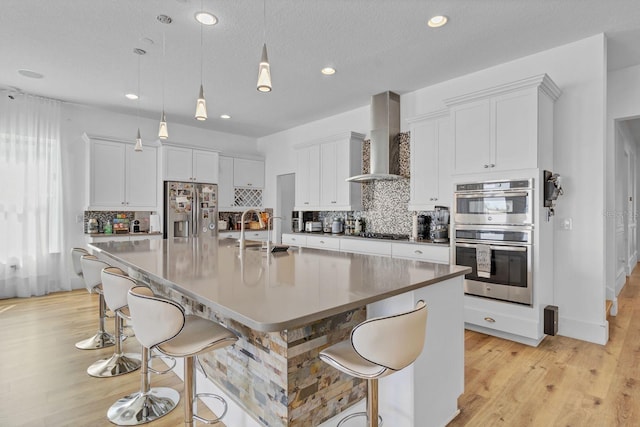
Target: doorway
(627,140)
(285,200)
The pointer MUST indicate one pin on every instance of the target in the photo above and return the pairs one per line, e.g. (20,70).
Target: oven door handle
(495,247)
(492,194)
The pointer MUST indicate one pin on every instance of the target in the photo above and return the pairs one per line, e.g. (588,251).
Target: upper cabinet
(240,183)
(307,178)
(248,173)
(225,182)
(120,177)
(430,183)
(507,127)
(186,164)
(322,169)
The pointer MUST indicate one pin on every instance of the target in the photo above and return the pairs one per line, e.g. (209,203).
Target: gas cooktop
(386,236)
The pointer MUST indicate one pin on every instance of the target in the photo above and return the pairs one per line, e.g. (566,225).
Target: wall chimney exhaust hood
(384,153)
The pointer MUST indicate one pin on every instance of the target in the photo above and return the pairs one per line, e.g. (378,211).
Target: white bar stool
(148,404)
(115,285)
(91,267)
(162,324)
(379,347)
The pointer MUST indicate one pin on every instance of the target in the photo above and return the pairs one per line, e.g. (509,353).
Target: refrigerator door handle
(195,210)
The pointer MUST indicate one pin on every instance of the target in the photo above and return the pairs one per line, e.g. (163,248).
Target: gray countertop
(277,291)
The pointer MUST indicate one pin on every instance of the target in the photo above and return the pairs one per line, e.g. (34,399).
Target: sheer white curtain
(32,259)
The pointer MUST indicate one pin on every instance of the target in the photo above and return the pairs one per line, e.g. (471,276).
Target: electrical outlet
(566,224)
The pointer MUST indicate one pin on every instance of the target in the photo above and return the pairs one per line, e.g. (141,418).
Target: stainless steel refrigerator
(190,209)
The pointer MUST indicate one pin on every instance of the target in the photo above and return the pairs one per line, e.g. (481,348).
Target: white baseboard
(504,335)
(593,332)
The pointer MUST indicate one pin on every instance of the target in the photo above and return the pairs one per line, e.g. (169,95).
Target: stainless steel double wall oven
(496,217)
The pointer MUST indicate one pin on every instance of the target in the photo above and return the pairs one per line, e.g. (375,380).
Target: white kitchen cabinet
(366,246)
(508,127)
(341,158)
(322,169)
(430,182)
(248,173)
(421,252)
(307,178)
(225,182)
(294,239)
(323,242)
(120,177)
(121,237)
(260,235)
(186,164)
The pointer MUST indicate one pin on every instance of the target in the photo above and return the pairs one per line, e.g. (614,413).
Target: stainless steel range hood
(384,157)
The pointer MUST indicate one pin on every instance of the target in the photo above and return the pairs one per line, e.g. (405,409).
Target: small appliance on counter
(337,226)
(299,220)
(135,226)
(312,226)
(439,230)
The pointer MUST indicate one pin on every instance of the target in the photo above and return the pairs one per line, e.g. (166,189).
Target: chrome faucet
(270,219)
(242,239)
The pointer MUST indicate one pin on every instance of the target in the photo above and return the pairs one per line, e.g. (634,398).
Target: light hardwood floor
(43,378)
(562,382)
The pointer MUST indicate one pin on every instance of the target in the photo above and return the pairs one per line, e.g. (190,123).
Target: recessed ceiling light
(131,96)
(328,71)
(225,116)
(30,74)
(206,18)
(437,21)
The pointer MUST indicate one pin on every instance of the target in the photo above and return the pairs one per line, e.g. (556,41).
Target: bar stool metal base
(358,414)
(141,408)
(117,364)
(100,340)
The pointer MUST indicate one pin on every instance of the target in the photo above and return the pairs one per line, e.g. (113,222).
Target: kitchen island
(286,307)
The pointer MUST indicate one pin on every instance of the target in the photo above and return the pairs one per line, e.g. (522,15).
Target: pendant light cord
(139,95)
(264,21)
(201,25)
(164,66)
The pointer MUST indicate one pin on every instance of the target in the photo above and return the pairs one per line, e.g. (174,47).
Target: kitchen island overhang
(287,307)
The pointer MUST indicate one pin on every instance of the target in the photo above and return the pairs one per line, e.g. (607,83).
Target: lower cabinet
(294,240)
(416,251)
(421,252)
(366,246)
(121,237)
(321,242)
(509,321)
(260,235)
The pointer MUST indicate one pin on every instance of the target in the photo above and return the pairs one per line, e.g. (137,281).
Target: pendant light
(138,146)
(264,69)
(201,104)
(163,131)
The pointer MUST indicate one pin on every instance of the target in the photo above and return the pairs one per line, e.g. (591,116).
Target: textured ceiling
(84,50)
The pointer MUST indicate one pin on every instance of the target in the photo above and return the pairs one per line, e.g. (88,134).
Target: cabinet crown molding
(542,81)
(340,136)
(88,138)
(428,116)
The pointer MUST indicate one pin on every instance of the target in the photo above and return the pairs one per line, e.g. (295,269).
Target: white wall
(579,69)
(77,119)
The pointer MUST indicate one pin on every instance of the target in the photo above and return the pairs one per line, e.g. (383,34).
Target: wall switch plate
(566,224)
(79,219)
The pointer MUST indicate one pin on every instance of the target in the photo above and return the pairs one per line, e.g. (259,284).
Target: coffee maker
(439,227)
(299,219)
